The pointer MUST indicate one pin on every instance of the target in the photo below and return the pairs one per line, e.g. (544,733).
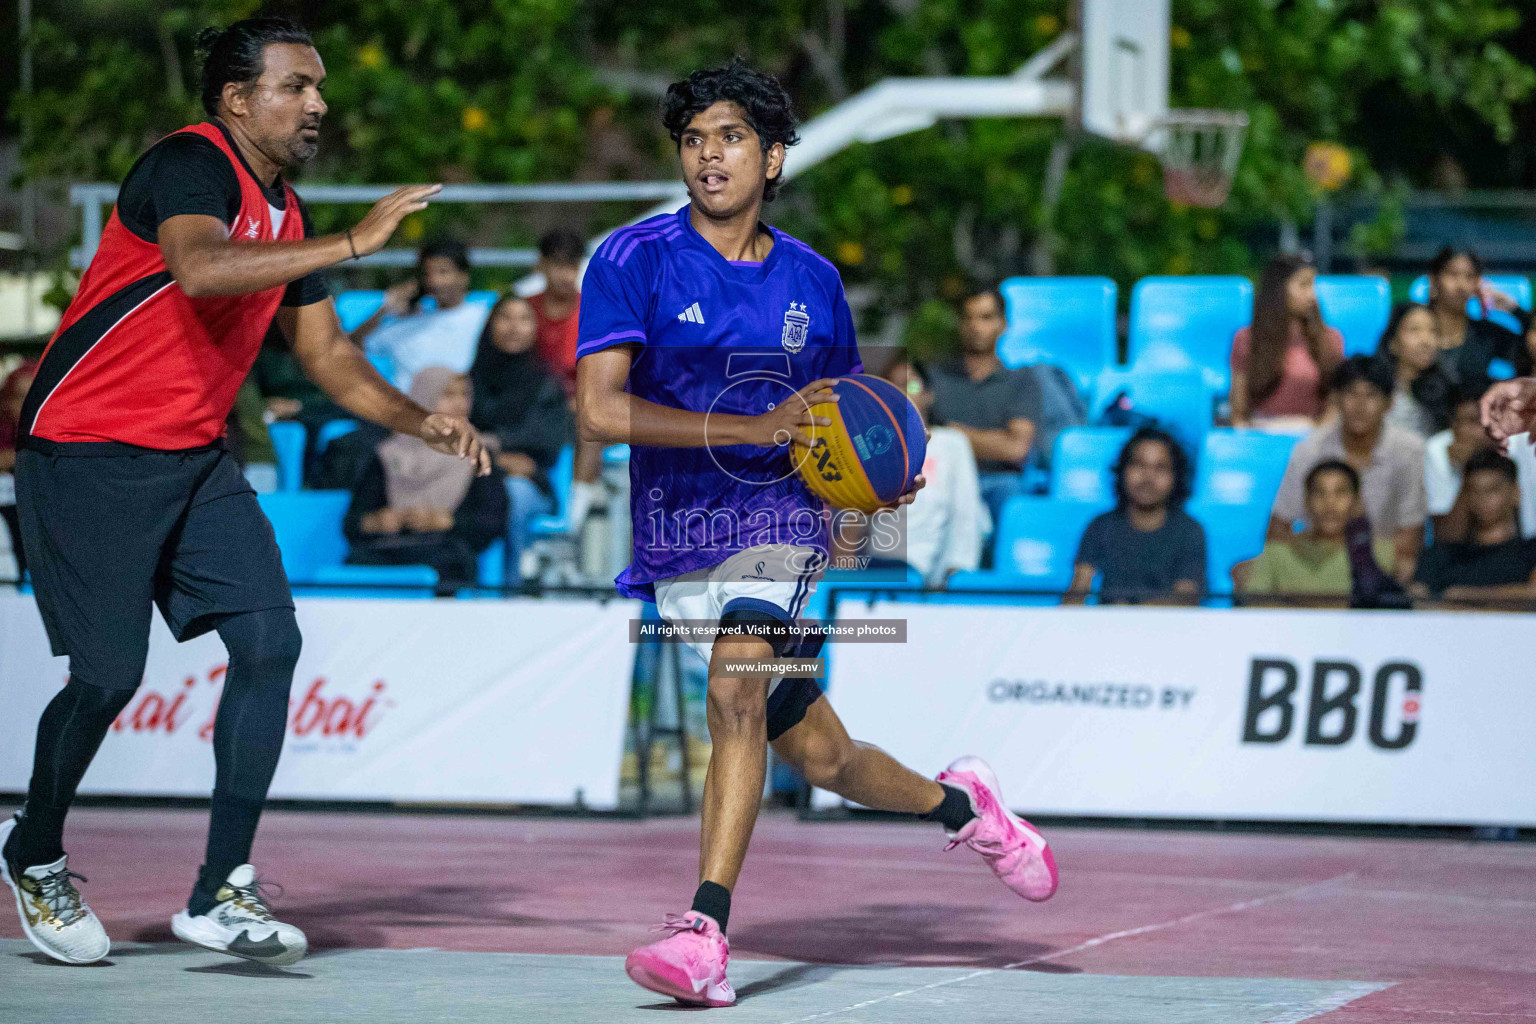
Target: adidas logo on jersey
(692,314)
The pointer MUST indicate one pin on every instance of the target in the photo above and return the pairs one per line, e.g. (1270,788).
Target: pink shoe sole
(663,979)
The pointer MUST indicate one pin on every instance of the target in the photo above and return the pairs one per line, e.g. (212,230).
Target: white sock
(584,494)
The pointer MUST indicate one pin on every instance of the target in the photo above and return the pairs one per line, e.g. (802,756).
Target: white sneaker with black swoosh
(241,924)
(53,916)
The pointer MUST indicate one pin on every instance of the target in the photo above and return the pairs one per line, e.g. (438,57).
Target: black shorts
(108,535)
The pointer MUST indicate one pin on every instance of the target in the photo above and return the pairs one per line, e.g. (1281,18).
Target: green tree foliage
(518,90)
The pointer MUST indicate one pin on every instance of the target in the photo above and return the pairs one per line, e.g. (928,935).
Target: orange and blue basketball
(873,449)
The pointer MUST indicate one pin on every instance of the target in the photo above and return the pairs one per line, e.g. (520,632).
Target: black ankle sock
(715,900)
(954,811)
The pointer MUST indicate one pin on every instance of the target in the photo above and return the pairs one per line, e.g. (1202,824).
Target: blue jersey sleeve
(843,337)
(614,307)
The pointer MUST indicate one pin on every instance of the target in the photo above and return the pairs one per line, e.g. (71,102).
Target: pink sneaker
(1016,852)
(688,965)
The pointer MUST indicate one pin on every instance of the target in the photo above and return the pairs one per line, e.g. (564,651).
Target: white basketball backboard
(1123,68)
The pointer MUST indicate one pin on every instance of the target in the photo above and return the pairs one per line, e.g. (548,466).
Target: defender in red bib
(127,499)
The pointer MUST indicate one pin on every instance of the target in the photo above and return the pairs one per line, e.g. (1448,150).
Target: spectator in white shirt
(445,333)
(943,530)
(1445,458)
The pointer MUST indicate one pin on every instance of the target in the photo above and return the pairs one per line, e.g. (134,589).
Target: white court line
(1329,1003)
(1146,929)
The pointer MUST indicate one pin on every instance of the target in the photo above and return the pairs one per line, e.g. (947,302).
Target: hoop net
(1199,152)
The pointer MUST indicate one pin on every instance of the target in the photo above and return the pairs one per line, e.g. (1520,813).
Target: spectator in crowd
(1388,459)
(1445,459)
(1280,362)
(1493,561)
(412,338)
(943,530)
(416,506)
(1147,548)
(1422,401)
(12,393)
(997,409)
(1469,348)
(557,308)
(560,255)
(520,408)
(1315,563)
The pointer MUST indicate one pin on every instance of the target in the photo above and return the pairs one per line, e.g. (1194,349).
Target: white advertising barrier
(516,701)
(1415,717)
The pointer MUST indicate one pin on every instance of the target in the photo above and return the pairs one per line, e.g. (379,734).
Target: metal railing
(92,197)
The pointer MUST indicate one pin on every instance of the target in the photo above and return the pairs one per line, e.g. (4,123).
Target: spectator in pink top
(1279,364)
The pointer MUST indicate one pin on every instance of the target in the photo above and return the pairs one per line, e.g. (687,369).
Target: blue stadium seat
(1189,321)
(1358,306)
(1179,398)
(1513,285)
(379,581)
(1068,321)
(308,529)
(288,438)
(560,476)
(1080,463)
(331,430)
(491,570)
(356,305)
(1038,538)
(1241,467)
(1233,533)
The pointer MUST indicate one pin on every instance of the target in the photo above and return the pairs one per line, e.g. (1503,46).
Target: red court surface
(1448,926)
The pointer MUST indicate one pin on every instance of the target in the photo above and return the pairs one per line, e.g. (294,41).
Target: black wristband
(350,244)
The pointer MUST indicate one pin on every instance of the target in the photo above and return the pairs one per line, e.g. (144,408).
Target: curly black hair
(1183,483)
(768,108)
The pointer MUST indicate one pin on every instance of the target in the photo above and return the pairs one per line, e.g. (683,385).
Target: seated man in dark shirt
(1148,548)
(996,408)
(1493,562)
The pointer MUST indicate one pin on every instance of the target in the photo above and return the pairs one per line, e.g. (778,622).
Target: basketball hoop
(1199,151)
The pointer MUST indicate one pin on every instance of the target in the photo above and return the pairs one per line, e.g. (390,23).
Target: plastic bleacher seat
(1068,321)
(377,580)
(1513,285)
(1081,460)
(357,305)
(1358,306)
(1189,321)
(308,528)
(1241,467)
(1178,398)
(288,439)
(560,477)
(333,429)
(1037,540)
(491,570)
(1233,533)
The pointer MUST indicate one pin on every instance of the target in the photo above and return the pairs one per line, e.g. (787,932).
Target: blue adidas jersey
(724,336)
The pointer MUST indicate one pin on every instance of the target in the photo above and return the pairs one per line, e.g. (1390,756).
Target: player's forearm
(349,379)
(238,268)
(622,418)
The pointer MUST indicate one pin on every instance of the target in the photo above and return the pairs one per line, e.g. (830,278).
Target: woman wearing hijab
(416,506)
(520,406)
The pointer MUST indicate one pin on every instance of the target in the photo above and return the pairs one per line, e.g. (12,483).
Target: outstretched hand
(373,231)
(1509,408)
(452,435)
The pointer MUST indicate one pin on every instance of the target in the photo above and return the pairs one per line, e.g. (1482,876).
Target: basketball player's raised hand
(1509,408)
(452,435)
(791,419)
(373,231)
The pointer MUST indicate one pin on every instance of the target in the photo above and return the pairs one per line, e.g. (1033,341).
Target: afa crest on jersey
(797,326)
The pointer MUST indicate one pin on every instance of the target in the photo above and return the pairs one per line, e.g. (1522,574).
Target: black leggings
(247,739)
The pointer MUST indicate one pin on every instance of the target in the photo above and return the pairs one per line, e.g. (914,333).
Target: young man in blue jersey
(705,337)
